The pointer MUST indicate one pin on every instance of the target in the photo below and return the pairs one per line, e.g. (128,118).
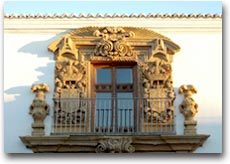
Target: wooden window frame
(113,90)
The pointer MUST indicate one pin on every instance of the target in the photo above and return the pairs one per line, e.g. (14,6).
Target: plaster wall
(27,61)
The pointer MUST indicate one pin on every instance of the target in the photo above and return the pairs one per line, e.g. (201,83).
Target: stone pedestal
(190,127)
(38,129)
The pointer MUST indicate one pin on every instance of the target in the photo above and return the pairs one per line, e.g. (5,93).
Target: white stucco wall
(27,61)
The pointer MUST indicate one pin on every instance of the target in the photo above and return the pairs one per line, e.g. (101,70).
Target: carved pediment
(113,43)
(92,36)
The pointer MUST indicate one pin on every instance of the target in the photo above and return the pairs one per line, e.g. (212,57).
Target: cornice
(108,15)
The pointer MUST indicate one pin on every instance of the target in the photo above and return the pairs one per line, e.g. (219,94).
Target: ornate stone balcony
(94,125)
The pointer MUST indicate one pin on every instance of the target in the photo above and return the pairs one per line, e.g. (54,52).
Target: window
(113,88)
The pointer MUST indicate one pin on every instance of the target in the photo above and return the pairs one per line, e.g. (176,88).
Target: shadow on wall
(17,121)
(179,120)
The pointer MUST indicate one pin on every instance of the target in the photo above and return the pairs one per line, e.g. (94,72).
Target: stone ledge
(120,144)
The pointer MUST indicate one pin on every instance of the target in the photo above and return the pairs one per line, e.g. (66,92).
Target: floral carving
(115,145)
(39,109)
(188,108)
(113,43)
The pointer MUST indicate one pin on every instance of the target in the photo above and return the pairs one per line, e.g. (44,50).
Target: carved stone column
(188,108)
(39,109)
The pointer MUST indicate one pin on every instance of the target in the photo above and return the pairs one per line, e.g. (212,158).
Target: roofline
(108,15)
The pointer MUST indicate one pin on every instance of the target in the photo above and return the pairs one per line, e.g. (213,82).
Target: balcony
(109,125)
(113,116)
(103,63)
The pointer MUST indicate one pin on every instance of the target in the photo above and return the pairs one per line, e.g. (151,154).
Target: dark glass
(103,76)
(124,75)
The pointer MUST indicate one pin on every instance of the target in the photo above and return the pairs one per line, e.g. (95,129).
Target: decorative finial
(188,108)
(39,109)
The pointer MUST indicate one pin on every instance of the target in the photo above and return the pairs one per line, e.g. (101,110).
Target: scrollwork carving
(113,43)
(115,145)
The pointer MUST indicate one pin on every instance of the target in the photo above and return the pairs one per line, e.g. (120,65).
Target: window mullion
(114,99)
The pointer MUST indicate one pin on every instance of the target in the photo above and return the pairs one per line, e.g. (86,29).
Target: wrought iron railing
(113,116)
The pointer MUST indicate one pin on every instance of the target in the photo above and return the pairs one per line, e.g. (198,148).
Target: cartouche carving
(115,145)
(113,43)
(158,84)
(70,82)
(39,109)
(188,108)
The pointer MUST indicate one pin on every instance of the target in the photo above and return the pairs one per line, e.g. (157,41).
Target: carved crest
(113,43)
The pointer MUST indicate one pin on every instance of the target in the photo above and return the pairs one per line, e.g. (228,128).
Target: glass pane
(125,104)
(124,75)
(103,76)
(126,95)
(103,111)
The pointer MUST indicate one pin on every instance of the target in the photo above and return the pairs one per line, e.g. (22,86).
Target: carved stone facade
(77,51)
(76,54)
(39,109)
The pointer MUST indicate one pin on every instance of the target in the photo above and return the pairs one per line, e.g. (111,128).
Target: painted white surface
(27,61)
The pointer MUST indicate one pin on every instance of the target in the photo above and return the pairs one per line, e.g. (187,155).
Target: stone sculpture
(188,108)
(39,109)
